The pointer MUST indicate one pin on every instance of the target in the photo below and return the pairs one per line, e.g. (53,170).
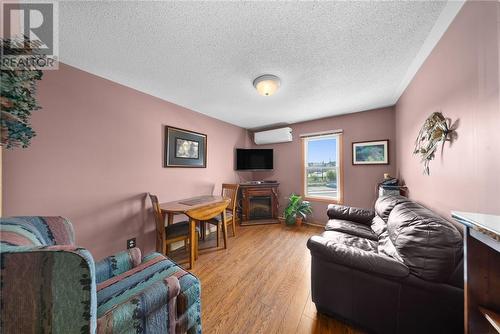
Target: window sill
(322,199)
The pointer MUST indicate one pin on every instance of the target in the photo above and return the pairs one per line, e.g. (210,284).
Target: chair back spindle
(159,219)
(230,191)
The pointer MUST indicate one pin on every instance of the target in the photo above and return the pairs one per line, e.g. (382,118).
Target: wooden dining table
(183,206)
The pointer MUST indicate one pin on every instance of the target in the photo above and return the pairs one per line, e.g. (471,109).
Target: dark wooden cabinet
(259,203)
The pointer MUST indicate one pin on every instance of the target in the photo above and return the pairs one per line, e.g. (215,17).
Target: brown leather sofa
(395,269)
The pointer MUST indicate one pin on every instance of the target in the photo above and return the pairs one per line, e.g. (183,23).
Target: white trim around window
(323,181)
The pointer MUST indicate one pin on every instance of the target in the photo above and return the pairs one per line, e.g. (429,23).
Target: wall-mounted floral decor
(17,101)
(436,130)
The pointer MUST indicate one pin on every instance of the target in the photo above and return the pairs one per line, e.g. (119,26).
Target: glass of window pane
(321,167)
(322,181)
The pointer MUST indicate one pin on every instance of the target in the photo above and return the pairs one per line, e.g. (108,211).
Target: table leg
(196,239)
(159,239)
(170,221)
(224,228)
(163,248)
(192,242)
(218,234)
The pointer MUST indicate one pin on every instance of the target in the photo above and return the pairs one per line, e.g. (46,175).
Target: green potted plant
(296,210)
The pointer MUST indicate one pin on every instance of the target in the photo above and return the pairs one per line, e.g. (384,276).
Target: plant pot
(298,221)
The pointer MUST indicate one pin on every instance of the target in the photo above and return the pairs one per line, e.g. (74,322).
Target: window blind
(321,133)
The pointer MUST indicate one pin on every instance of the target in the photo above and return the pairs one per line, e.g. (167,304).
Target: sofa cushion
(428,244)
(378,226)
(385,204)
(355,257)
(350,227)
(386,247)
(350,240)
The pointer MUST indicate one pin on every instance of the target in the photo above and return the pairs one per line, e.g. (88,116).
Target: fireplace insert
(260,207)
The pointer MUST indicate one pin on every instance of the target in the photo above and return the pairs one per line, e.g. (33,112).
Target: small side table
(481,271)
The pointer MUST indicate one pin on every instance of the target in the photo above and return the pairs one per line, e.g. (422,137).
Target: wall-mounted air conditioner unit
(281,135)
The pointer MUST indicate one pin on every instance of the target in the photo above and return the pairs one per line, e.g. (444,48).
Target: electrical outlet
(131,243)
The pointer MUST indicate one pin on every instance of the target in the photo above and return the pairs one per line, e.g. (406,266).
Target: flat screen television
(254,159)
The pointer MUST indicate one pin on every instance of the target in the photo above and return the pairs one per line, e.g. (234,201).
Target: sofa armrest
(359,215)
(161,294)
(117,264)
(356,258)
(47,289)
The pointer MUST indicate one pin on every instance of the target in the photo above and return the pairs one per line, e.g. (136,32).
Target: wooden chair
(230,191)
(166,235)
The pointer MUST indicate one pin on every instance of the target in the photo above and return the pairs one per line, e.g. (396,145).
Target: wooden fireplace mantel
(251,190)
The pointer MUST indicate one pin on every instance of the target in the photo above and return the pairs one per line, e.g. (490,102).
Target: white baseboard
(313,223)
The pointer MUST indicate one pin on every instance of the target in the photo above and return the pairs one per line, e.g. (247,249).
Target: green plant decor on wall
(436,130)
(17,102)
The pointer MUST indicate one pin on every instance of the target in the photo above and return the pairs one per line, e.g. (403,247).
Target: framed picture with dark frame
(184,148)
(374,152)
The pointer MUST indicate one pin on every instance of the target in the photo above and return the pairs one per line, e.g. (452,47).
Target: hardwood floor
(260,283)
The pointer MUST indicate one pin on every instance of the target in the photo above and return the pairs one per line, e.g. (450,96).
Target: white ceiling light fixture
(267,84)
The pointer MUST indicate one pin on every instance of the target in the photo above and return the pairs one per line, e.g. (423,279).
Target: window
(322,167)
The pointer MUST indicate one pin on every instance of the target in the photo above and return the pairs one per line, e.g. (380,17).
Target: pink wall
(359,181)
(98,150)
(99,144)
(461,79)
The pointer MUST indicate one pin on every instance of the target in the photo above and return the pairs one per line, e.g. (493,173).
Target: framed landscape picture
(374,152)
(185,148)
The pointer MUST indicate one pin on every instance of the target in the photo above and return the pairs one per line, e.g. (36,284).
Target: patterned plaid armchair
(50,286)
